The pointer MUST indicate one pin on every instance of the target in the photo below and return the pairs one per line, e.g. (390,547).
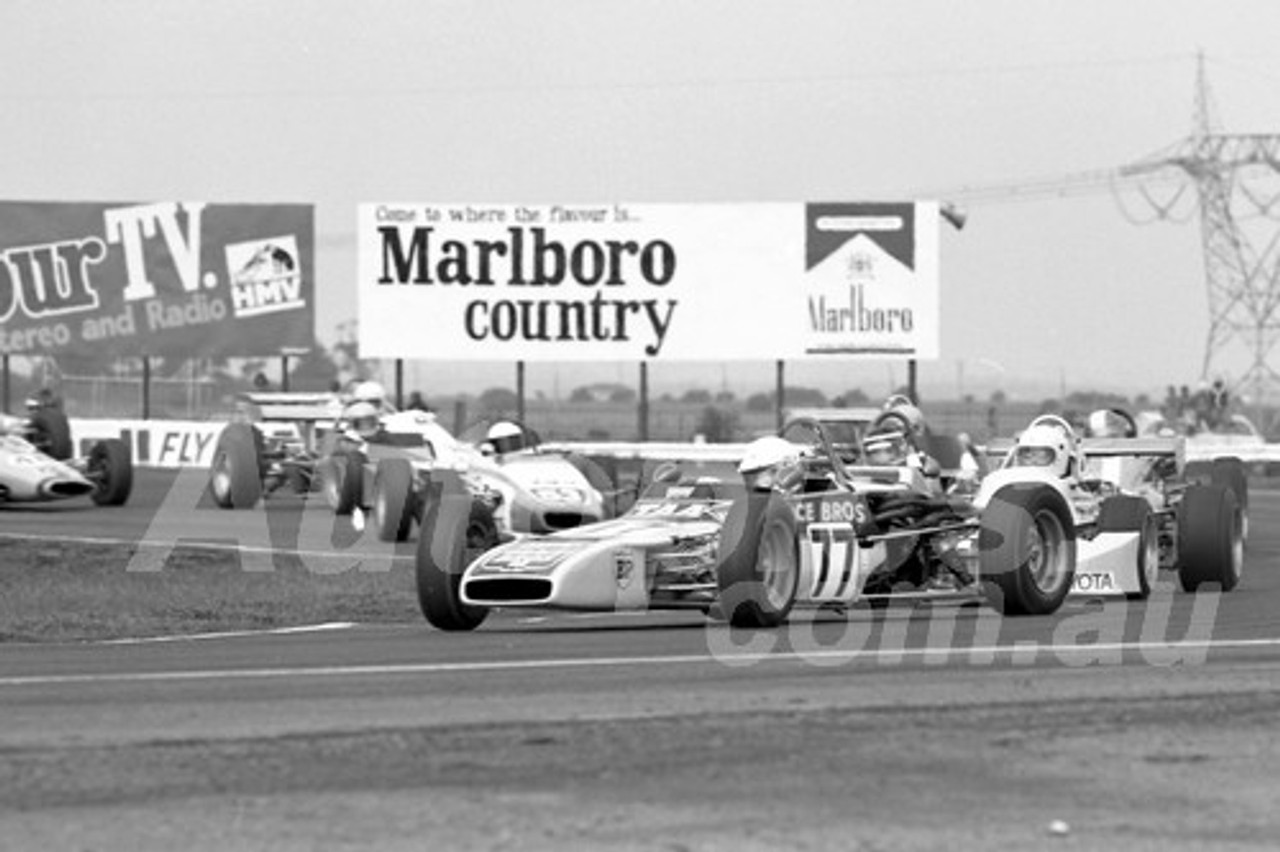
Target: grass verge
(61,591)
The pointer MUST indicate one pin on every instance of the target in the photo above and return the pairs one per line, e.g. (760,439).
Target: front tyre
(111,469)
(235,478)
(450,532)
(393,499)
(1027,550)
(759,578)
(1210,538)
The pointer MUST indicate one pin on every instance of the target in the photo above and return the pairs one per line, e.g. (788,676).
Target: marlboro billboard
(648,281)
(171,278)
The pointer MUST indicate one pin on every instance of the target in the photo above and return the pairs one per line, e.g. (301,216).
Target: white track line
(202,545)
(985,653)
(229,634)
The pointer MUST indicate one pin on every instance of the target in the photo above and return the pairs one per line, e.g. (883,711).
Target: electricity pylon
(1235,179)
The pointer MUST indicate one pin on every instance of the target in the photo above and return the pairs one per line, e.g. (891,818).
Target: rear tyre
(454,527)
(758,579)
(111,468)
(1126,513)
(235,480)
(1027,550)
(393,499)
(1210,538)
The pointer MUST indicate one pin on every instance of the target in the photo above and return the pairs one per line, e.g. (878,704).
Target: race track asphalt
(1108,725)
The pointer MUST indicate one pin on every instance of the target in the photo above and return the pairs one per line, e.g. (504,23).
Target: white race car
(517,490)
(1133,508)
(310,441)
(805,529)
(29,475)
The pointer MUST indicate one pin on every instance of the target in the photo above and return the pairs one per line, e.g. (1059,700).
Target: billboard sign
(565,282)
(183,279)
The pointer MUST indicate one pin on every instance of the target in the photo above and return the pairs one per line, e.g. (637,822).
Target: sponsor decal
(680,509)
(850,510)
(1096,581)
(532,557)
(624,564)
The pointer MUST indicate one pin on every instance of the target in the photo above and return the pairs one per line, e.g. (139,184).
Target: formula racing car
(371,462)
(800,523)
(381,471)
(29,473)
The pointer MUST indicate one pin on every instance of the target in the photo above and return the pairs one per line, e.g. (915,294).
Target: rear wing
(1172,447)
(651,450)
(287,406)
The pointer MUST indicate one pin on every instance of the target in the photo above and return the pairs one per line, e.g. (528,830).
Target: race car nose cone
(57,488)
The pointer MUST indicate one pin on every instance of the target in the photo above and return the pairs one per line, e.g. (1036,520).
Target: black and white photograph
(649,425)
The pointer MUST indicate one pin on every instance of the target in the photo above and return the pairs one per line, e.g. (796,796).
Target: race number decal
(830,561)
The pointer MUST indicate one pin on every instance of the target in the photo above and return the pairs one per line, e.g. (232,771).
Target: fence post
(644,401)
(780,391)
(146,387)
(520,392)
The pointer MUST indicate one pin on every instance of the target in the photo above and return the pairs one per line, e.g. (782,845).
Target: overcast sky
(335,103)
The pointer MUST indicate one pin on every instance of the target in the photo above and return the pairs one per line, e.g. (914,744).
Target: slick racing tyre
(50,433)
(759,577)
(235,480)
(343,481)
(1229,473)
(455,529)
(1027,550)
(393,499)
(111,469)
(1127,513)
(1210,538)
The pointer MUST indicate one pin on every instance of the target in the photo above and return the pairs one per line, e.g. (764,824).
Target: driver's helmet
(769,462)
(505,437)
(899,415)
(1105,423)
(33,404)
(1045,446)
(886,446)
(370,392)
(363,419)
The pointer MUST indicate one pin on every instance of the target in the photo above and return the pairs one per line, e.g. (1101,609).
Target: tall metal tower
(1237,182)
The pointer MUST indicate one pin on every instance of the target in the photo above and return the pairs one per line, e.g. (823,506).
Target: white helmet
(901,415)
(1046,446)
(886,447)
(1110,423)
(372,392)
(363,417)
(769,461)
(505,436)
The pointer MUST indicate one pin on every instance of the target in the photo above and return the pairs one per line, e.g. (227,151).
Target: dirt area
(1191,772)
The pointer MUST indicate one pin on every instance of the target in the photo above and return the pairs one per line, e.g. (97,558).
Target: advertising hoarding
(185,279)
(673,282)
